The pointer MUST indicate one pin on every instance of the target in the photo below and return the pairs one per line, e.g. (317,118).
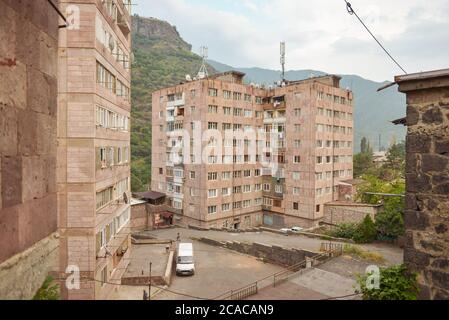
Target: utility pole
(149,284)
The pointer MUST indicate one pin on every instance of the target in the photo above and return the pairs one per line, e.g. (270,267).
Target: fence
(336,249)
(330,250)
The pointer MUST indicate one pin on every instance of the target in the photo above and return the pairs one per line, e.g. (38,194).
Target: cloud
(320,34)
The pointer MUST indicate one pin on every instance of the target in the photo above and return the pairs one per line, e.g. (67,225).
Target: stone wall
(28,107)
(23,274)
(337,213)
(427,183)
(273,254)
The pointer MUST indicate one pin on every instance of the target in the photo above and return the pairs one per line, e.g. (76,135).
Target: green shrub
(390,224)
(366,231)
(344,230)
(396,283)
(48,291)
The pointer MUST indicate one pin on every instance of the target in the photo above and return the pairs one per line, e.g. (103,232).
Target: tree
(395,283)
(366,231)
(396,157)
(363,163)
(365,146)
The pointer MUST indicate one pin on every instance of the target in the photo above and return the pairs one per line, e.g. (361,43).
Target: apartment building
(233,155)
(93,169)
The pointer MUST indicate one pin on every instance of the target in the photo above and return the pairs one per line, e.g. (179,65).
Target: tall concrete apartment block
(28,108)
(302,134)
(94,145)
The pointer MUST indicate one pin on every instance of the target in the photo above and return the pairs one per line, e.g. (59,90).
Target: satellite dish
(125,197)
(111,43)
(188,77)
(252,84)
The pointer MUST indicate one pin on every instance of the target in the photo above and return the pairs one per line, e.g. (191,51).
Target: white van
(184,261)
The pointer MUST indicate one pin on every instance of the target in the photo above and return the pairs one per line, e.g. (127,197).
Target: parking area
(392,254)
(217,271)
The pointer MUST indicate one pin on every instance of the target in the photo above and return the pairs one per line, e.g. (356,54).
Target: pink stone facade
(94,145)
(292,145)
(28,108)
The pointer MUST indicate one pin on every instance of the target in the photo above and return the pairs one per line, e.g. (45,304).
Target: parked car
(297,229)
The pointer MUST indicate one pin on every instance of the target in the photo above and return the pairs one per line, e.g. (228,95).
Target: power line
(352,12)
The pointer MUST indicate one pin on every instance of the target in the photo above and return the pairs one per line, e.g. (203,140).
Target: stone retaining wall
(273,254)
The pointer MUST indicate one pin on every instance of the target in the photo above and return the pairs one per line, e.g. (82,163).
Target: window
(161,171)
(295,206)
(319,159)
(296,159)
(246,203)
(297,128)
(226,94)
(258,201)
(227,111)
(213,109)
(213,92)
(317,208)
(237,112)
(226,126)
(104,197)
(105,78)
(297,112)
(212,176)
(268,202)
(212,209)
(237,205)
(278,188)
(192,174)
(212,193)
(257,187)
(297,143)
(212,159)
(247,173)
(246,188)
(192,93)
(212,125)
(237,96)
(295,175)
(257,172)
(226,175)
(237,189)
(225,207)
(266,187)
(295,191)
(248,113)
(237,174)
(247,97)
(226,192)
(104,275)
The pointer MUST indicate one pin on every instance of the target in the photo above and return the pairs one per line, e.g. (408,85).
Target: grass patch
(363,254)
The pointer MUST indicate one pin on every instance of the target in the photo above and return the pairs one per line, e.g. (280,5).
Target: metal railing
(330,250)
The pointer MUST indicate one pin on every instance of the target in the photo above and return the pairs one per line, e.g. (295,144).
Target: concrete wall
(427,183)
(349,212)
(23,274)
(139,218)
(28,107)
(273,254)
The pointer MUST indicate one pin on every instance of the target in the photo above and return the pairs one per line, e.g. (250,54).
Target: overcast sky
(320,34)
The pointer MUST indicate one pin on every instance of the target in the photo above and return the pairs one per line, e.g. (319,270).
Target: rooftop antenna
(283,61)
(204,51)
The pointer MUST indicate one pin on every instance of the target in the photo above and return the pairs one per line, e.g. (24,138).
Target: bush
(390,224)
(396,283)
(363,254)
(344,230)
(48,291)
(366,231)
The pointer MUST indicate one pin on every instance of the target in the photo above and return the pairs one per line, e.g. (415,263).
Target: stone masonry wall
(28,106)
(274,254)
(427,202)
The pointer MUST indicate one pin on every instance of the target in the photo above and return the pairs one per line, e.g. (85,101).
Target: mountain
(373,110)
(161,58)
